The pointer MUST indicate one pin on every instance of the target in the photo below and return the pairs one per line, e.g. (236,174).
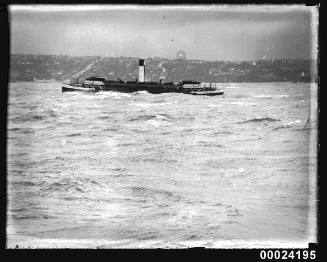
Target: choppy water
(171,170)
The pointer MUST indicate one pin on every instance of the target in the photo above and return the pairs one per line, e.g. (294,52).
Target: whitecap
(288,124)
(295,122)
(262,96)
(117,94)
(240,103)
(141,92)
(142,104)
(151,104)
(158,120)
(166,103)
(161,117)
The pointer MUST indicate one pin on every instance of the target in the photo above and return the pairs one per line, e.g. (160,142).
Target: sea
(141,170)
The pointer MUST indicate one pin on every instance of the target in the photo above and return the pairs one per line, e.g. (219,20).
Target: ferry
(98,83)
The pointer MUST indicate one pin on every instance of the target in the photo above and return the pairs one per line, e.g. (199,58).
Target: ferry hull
(72,88)
(124,88)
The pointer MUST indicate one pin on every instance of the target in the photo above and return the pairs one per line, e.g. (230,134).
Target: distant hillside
(61,68)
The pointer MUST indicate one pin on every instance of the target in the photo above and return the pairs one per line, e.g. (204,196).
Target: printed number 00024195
(288,254)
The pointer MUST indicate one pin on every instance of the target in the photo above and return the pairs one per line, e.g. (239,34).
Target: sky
(205,32)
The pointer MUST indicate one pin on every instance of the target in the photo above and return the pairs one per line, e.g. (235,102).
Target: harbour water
(108,170)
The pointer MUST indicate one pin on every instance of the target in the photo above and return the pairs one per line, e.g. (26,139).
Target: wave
(74,134)
(111,129)
(258,120)
(304,129)
(142,104)
(35,117)
(63,185)
(166,132)
(118,169)
(20,209)
(31,216)
(23,130)
(287,125)
(163,101)
(151,160)
(281,127)
(113,94)
(22,217)
(270,96)
(155,103)
(262,96)
(233,212)
(222,133)
(241,96)
(163,116)
(142,118)
(153,193)
(240,103)
(208,144)
(14,129)
(68,185)
(141,92)
(23,183)
(104,117)
(151,117)
(51,112)
(126,144)
(158,122)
